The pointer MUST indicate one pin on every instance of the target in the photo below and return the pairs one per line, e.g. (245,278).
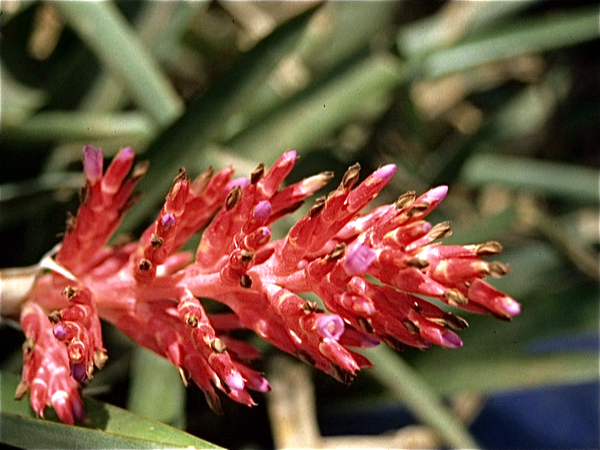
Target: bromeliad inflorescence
(150,289)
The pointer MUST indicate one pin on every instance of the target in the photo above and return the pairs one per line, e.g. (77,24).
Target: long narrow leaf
(105,30)
(108,427)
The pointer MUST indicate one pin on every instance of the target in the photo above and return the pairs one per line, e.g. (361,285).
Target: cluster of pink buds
(150,289)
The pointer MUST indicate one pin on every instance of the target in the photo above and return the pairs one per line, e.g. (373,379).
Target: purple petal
(359,261)
(92,163)
(262,210)
(330,326)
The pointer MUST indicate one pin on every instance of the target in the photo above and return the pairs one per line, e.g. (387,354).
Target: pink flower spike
(358,261)
(92,163)
(330,326)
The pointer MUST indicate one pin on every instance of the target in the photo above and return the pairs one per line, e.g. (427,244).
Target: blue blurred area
(564,417)
(561,417)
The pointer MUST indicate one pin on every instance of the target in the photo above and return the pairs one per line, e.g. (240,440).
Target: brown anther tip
(489,248)
(418,208)
(55,316)
(71,222)
(217,345)
(257,174)
(184,376)
(441,230)
(317,207)
(392,342)
(365,324)
(305,357)
(245,281)
(28,344)
(100,358)
(341,375)
(310,307)
(21,390)
(140,170)
(411,326)
(144,264)
(156,241)
(69,292)
(455,322)
(233,198)
(191,319)
(337,252)
(84,194)
(246,257)
(455,297)
(350,177)
(498,269)
(180,176)
(405,199)
(201,181)
(417,263)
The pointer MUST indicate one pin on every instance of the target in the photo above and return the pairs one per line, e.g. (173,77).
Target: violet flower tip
(330,326)
(235,381)
(386,172)
(92,163)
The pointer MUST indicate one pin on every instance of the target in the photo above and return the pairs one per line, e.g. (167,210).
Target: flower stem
(406,384)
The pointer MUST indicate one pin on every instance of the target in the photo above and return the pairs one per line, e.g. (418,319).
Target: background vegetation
(500,100)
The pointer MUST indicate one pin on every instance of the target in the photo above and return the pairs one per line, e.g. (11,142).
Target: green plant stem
(407,385)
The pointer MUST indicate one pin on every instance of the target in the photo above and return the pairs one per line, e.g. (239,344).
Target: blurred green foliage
(497,99)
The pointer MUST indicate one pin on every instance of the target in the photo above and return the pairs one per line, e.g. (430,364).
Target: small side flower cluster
(151,290)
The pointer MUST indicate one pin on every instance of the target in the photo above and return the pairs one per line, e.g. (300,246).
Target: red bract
(151,290)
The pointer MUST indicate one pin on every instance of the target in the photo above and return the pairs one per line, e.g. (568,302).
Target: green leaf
(156,389)
(535,35)
(109,35)
(576,183)
(106,426)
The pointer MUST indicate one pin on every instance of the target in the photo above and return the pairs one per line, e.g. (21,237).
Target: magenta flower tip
(438,193)
(60,331)
(238,182)
(167,220)
(290,154)
(235,381)
(92,163)
(330,326)
(512,307)
(78,371)
(78,410)
(262,210)
(451,340)
(386,172)
(359,261)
